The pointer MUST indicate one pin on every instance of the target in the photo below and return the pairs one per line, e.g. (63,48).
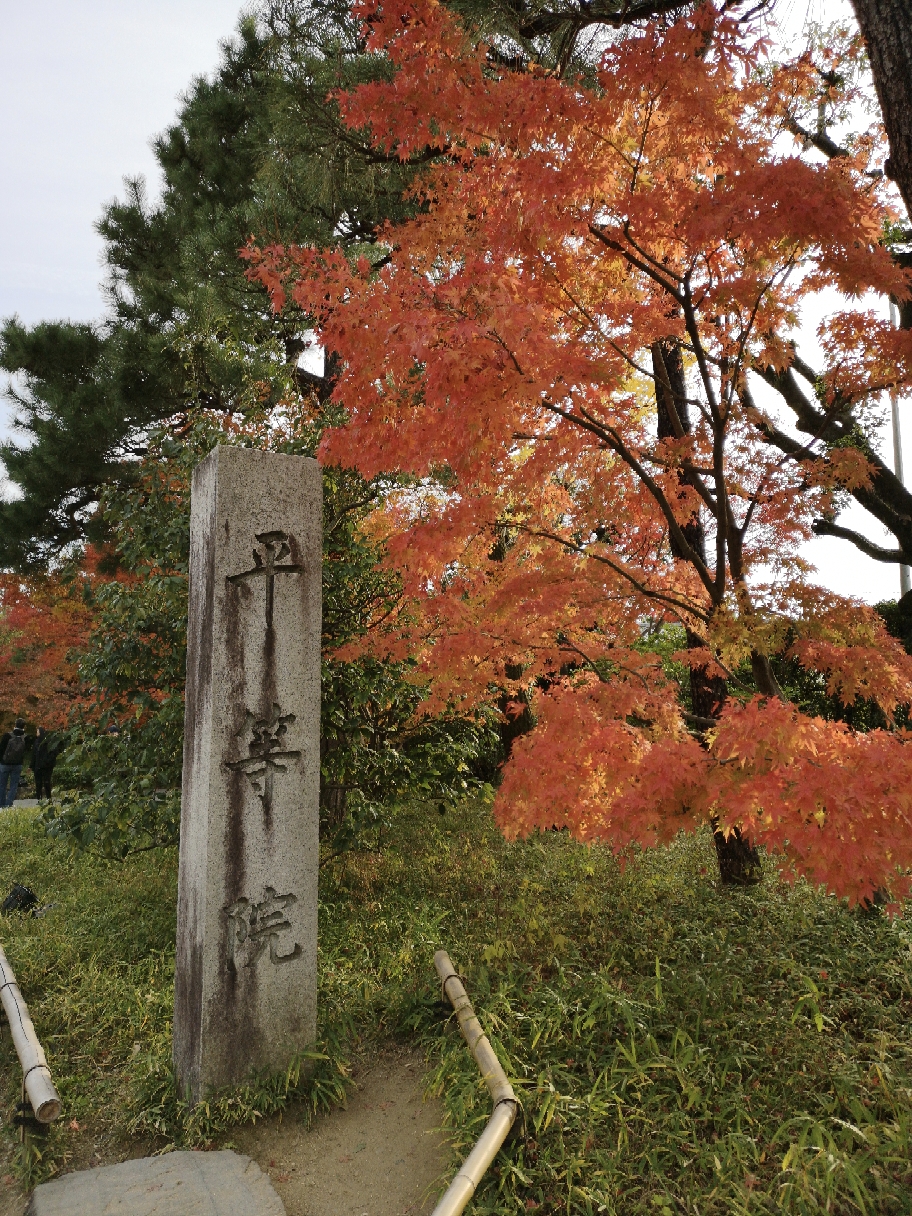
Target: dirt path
(12,1197)
(384,1155)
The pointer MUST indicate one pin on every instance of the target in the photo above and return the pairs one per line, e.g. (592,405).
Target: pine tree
(191,348)
(256,148)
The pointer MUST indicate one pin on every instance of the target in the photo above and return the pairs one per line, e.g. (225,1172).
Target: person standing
(45,750)
(12,756)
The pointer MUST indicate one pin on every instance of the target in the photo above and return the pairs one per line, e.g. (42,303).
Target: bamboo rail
(36,1076)
(506,1106)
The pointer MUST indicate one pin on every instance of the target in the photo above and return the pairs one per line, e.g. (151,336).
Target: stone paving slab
(177,1184)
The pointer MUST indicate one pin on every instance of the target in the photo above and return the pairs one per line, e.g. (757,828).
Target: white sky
(839,565)
(84,87)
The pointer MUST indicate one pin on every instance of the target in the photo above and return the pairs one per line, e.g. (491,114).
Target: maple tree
(43,620)
(574,331)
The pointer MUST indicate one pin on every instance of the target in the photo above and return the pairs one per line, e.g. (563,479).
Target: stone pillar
(246,978)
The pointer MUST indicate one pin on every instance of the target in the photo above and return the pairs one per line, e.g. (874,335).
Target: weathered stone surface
(246,976)
(178,1184)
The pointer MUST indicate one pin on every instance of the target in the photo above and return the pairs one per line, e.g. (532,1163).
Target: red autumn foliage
(43,620)
(500,356)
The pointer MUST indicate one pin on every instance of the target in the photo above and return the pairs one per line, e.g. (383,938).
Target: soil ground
(383,1155)
(12,1197)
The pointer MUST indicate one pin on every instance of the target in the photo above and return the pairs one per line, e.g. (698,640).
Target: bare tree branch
(818,139)
(826,527)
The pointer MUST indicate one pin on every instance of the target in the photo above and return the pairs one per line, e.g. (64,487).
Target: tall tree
(191,353)
(43,621)
(563,234)
(81,403)
(259,145)
(887,29)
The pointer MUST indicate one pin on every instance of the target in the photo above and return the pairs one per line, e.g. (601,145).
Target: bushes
(121,772)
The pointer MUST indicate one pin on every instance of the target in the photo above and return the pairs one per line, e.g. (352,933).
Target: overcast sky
(84,87)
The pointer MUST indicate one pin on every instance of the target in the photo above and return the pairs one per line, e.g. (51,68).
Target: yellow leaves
(733,634)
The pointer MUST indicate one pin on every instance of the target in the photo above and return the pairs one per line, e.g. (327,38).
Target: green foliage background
(257,152)
(121,772)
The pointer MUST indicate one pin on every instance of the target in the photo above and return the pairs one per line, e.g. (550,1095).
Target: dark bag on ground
(20,899)
(15,750)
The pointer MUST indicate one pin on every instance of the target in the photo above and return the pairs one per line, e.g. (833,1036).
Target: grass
(678,1048)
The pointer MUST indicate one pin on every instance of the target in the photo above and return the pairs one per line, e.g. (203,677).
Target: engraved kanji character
(267,559)
(265,748)
(261,925)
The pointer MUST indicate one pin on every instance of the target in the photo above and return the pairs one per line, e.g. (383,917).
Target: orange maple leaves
(835,804)
(498,356)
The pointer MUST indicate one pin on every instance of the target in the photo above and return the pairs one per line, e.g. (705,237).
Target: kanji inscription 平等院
(245,979)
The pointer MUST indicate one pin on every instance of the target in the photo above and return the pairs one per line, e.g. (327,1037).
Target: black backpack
(15,749)
(20,899)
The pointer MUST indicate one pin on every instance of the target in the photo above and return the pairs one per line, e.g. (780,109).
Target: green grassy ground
(677,1048)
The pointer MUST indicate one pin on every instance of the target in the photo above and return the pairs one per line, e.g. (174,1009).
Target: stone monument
(246,978)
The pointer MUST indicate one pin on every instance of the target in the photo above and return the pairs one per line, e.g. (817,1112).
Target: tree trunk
(708,693)
(738,860)
(887,29)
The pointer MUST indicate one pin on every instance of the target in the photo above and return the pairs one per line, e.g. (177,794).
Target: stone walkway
(177,1184)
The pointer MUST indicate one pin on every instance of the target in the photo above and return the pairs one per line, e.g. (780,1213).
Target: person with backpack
(45,750)
(12,756)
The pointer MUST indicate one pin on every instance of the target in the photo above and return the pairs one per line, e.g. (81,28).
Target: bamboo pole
(462,1188)
(36,1075)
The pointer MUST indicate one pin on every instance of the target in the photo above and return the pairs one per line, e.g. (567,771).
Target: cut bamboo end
(39,1086)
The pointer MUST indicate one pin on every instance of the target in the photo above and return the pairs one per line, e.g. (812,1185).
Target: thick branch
(306,379)
(811,420)
(642,264)
(885,496)
(612,440)
(818,139)
(614,13)
(825,527)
